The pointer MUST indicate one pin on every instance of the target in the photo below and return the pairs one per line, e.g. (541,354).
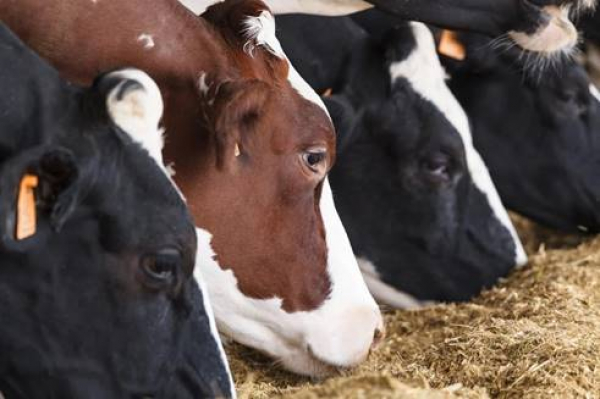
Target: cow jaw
(559,34)
(338,334)
(385,293)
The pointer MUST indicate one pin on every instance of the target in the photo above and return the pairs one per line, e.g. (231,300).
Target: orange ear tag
(26,212)
(451,47)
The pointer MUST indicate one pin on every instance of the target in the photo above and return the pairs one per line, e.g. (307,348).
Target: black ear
(54,195)
(344,118)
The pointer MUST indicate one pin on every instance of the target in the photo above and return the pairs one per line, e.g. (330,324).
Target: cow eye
(315,160)
(160,269)
(438,165)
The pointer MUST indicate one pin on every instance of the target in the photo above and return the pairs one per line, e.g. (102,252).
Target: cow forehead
(262,31)
(311,120)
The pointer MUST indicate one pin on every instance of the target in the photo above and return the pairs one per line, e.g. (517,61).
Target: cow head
(282,277)
(551,136)
(420,208)
(543,28)
(97,298)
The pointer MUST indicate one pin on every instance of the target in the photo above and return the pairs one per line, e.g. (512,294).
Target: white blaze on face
(422,69)
(138,110)
(340,332)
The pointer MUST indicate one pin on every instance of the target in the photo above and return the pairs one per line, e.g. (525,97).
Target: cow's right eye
(438,166)
(160,269)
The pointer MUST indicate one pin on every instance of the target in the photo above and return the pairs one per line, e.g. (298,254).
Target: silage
(536,335)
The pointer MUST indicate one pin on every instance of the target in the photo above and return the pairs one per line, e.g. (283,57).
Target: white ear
(136,106)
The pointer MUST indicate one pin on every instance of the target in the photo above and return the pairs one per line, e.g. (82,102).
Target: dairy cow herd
(173,172)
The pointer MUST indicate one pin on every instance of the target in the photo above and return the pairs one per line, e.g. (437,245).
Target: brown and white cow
(252,145)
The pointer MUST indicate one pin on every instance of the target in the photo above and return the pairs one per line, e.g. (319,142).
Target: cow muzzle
(558,34)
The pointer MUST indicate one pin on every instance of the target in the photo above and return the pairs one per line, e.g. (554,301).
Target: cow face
(282,276)
(420,209)
(97,298)
(551,136)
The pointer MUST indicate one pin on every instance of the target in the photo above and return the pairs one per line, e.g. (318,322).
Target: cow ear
(343,115)
(134,103)
(238,109)
(39,183)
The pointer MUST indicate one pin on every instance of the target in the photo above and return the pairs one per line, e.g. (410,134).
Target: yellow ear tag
(451,47)
(26,213)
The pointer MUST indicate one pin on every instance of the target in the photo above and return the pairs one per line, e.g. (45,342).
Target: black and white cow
(540,26)
(416,199)
(97,248)
(539,135)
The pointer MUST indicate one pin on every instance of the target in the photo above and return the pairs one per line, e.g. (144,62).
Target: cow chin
(558,35)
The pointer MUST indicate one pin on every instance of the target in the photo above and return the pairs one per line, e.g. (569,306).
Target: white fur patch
(203,86)
(146,40)
(204,236)
(423,70)
(594,91)
(260,31)
(385,293)
(139,112)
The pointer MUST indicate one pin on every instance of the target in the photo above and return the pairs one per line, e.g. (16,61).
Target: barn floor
(537,335)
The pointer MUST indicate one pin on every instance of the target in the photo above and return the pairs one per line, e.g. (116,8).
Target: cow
(538,26)
(547,125)
(251,144)
(421,211)
(97,247)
